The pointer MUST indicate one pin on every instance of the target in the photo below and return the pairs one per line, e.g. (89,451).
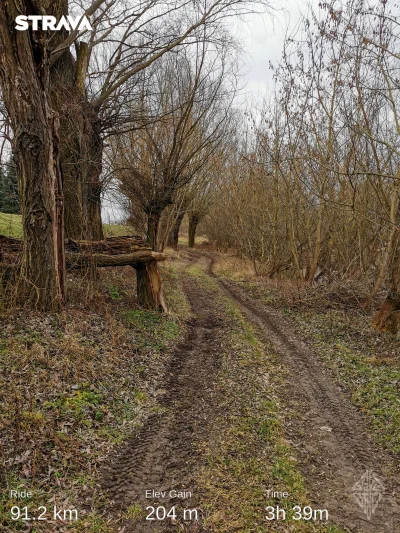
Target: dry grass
(234,267)
(75,384)
(285,292)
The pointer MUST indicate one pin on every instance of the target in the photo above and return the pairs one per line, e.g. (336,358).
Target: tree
(161,157)
(81,81)
(321,170)
(201,194)
(370,34)
(95,87)
(25,85)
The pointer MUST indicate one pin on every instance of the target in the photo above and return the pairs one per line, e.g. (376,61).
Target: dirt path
(329,434)
(162,455)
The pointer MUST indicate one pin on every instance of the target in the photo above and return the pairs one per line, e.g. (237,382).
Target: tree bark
(174,233)
(150,287)
(135,259)
(94,156)
(83,187)
(113,251)
(24,79)
(82,146)
(388,316)
(317,248)
(193,223)
(153,222)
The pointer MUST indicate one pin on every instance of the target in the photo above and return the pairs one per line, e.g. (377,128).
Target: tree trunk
(174,233)
(83,187)
(193,223)
(68,101)
(92,164)
(388,317)
(391,245)
(24,78)
(82,146)
(150,287)
(153,222)
(111,252)
(317,248)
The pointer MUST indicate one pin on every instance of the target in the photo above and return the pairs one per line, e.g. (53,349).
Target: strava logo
(46,22)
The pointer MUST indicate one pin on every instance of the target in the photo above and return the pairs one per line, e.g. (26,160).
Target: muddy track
(329,434)
(162,456)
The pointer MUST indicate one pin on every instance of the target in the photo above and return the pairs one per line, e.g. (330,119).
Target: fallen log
(76,260)
(111,252)
(110,246)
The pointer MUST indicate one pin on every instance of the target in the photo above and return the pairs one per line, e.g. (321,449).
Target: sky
(263,37)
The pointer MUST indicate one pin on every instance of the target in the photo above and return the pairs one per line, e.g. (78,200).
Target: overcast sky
(263,37)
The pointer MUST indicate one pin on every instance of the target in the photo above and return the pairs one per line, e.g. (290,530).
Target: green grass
(11,226)
(364,362)
(117,230)
(153,331)
(38,498)
(249,453)
(89,378)
(373,383)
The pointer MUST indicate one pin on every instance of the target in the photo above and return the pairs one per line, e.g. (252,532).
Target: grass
(175,299)
(364,363)
(152,330)
(117,230)
(92,524)
(11,226)
(73,386)
(249,453)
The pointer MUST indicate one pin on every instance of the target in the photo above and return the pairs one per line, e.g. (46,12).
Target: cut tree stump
(149,286)
(111,252)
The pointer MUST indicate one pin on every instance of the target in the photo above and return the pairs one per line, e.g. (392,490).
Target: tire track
(330,435)
(162,456)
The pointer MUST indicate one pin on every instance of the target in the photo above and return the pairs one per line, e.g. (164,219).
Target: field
(11,226)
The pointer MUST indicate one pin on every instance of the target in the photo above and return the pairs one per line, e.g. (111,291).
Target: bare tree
(96,83)
(85,78)
(160,158)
